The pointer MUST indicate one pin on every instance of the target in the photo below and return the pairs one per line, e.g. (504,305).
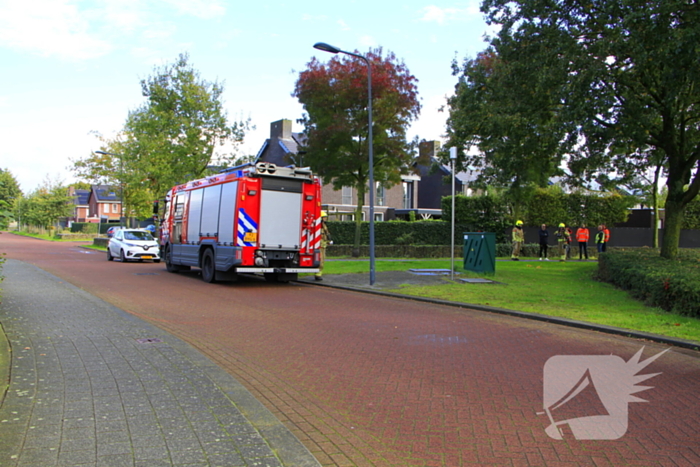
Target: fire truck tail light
(239,255)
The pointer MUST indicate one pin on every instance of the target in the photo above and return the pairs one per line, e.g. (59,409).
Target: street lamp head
(105,153)
(326,47)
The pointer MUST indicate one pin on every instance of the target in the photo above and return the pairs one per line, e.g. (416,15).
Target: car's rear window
(137,236)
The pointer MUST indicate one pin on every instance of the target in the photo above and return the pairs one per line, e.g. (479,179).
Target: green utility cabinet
(479,252)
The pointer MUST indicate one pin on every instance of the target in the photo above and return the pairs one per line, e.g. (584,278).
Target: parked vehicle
(133,245)
(112,230)
(254,219)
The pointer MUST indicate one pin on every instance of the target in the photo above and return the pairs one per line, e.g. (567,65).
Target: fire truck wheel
(169,266)
(208,271)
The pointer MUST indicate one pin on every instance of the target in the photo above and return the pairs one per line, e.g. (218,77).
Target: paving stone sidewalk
(92,385)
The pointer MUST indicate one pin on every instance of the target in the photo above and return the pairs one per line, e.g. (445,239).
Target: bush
(84,227)
(673,285)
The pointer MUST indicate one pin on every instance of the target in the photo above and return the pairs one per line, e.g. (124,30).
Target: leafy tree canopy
(335,99)
(45,205)
(176,135)
(9,192)
(616,81)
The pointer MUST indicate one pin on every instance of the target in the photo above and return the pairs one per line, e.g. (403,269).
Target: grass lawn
(50,238)
(552,288)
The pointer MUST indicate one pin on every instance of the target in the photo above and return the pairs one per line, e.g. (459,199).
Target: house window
(346,195)
(379,199)
(378,216)
(407,195)
(115,208)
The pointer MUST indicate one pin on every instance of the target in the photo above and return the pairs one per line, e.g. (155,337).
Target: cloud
(50,28)
(308,17)
(368,41)
(204,9)
(343,25)
(73,30)
(436,14)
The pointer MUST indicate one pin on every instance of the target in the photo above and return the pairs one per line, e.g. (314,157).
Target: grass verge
(550,288)
(4,365)
(50,238)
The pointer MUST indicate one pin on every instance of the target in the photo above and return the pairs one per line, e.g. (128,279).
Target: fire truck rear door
(280,213)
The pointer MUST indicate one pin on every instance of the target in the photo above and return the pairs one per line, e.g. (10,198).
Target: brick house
(282,148)
(80,205)
(104,202)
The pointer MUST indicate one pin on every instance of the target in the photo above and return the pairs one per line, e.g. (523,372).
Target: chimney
(428,149)
(281,129)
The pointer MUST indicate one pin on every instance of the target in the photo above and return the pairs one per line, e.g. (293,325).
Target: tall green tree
(630,90)
(514,123)
(9,192)
(175,135)
(335,100)
(46,205)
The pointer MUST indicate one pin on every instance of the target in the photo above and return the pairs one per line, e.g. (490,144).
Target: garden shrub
(84,227)
(673,285)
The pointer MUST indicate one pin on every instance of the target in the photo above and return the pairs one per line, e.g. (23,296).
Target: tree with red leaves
(334,96)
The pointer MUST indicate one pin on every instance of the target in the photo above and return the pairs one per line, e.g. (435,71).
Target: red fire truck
(254,219)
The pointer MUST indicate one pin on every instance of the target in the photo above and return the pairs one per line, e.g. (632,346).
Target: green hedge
(399,233)
(551,206)
(673,285)
(84,227)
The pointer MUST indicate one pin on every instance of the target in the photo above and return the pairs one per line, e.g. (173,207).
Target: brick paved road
(372,381)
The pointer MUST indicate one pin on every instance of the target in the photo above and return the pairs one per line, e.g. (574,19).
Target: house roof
(278,150)
(80,197)
(105,194)
(465,176)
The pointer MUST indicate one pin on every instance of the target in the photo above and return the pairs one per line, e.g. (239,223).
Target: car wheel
(156,261)
(109,255)
(122,256)
(208,269)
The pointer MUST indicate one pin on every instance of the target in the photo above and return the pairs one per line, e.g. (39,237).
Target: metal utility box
(480,252)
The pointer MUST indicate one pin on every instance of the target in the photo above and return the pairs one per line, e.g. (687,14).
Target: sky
(71,69)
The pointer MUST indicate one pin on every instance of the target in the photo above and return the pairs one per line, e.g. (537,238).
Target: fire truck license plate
(250,237)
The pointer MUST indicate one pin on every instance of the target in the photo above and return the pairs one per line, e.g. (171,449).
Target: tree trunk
(672,228)
(655,202)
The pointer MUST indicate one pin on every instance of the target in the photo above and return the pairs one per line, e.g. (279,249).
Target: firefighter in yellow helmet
(325,241)
(563,239)
(518,240)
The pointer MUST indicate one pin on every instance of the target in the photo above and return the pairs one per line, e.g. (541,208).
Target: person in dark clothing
(544,237)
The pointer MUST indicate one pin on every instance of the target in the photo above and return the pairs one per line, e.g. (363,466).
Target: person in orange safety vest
(606,232)
(582,236)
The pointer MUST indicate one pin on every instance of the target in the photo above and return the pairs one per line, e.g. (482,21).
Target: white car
(133,245)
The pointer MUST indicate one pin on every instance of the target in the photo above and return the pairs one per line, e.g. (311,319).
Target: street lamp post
(121,183)
(453,159)
(334,50)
